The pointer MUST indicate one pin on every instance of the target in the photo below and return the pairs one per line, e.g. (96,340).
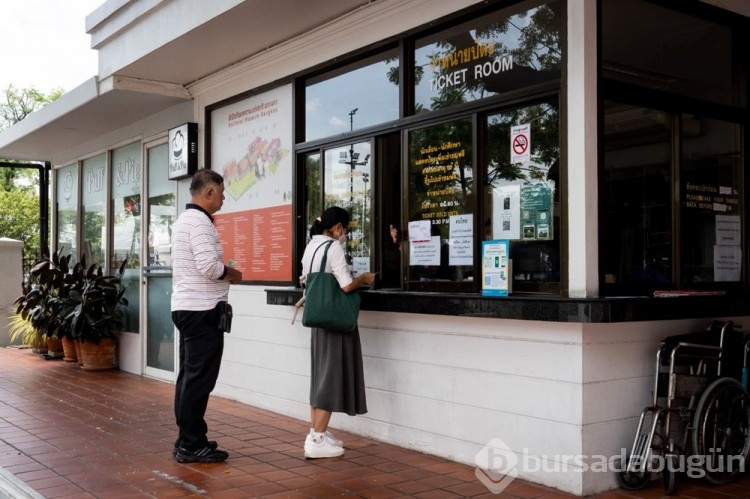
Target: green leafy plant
(74,302)
(44,304)
(96,311)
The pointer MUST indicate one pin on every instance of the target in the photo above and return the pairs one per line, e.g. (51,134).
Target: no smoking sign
(520,143)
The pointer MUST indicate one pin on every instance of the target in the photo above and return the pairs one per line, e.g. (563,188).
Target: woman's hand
(368,278)
(364,279)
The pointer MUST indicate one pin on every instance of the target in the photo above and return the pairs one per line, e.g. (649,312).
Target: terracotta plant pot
(54,348)
(77,344)
(98,357)
(69,350)
(39,346)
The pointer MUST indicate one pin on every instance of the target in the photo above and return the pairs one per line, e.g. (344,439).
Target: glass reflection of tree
(537,52)
(161,218)
(93,222)
(128,219)
(313,188)
(459,131)
(545,146)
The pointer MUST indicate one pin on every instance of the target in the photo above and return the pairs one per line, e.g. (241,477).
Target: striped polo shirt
(197,262)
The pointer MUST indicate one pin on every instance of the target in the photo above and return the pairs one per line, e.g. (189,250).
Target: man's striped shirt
(197,262)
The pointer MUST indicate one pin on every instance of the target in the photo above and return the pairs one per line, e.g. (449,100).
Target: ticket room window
(522,193)
(671,176)
(439,238)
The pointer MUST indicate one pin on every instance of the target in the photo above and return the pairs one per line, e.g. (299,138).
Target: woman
(337,381)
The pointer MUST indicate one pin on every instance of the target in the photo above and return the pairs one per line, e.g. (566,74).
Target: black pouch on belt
(224,313)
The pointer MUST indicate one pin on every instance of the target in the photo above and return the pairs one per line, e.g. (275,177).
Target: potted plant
(20,328)
(95,316)
(38,319)
(75,305)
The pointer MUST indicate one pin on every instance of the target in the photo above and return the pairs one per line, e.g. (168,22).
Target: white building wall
(447,386)
(441,385)
(11,261)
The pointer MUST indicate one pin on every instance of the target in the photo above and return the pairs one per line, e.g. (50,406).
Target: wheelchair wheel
(669,473)
(721,430)
(631,480)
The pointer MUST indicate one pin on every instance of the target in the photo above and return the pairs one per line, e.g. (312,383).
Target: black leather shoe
(211,443)
(203,455)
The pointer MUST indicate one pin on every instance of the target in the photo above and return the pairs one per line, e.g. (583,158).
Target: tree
(19,198)
(15,105)
(19,219)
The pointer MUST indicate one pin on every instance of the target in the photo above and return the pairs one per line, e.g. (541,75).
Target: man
(200,280)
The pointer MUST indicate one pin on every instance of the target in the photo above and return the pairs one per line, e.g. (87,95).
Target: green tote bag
(326,305)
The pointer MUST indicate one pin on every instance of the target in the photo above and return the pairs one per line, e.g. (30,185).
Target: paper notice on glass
(728,230)
(360,265)
(727,263)
(419,231)
(425,252)
(506,212)
(461,233)
(495,268)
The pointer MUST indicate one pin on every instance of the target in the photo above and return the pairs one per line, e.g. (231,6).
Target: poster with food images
(251,144)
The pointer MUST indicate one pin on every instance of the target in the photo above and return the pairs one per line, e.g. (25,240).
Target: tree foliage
(19,219)
(19,198)
(17,104)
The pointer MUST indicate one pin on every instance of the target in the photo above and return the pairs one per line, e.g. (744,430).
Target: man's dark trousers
(201,348)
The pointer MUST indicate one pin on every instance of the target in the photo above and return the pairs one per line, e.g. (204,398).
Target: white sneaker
(335,441)
(324,448)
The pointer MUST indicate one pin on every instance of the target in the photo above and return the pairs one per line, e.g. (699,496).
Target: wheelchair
(699,422)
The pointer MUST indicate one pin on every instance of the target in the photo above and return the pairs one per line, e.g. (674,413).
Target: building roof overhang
(154,78)
(92,109)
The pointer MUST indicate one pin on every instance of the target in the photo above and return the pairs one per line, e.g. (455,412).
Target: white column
(11,286)
(581,150)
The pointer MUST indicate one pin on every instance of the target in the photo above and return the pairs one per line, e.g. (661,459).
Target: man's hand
(233,275)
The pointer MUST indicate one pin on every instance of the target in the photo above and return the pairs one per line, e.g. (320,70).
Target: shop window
(67,211)
(440,232)
(93,178)
(671,201)
(162,213)
(711,199)
(358,95)
(368,184)
(521,196)
(347,172)
(312,191)
(636,206)
(659,48)
(507,50)
(162,209)
(126,225)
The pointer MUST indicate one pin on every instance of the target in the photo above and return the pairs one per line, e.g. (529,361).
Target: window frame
(475,110)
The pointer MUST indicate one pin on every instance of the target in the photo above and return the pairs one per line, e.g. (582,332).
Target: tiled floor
(70,433)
